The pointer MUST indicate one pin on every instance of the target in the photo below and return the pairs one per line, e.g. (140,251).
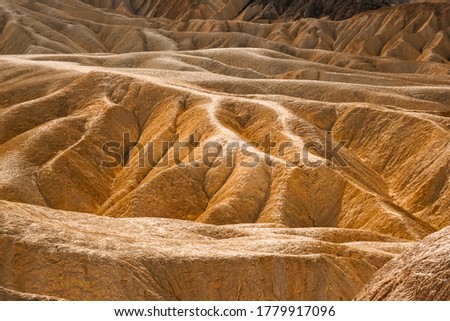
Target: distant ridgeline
(248,10)
(334,9)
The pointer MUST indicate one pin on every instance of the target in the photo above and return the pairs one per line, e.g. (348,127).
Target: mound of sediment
(422,273)
(85,257)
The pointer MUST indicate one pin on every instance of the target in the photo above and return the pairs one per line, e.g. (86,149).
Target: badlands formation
(328,176)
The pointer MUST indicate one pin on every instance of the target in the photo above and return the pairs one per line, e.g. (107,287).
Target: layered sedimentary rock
(134,161)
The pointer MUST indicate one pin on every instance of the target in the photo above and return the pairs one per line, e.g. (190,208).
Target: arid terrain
(224,150)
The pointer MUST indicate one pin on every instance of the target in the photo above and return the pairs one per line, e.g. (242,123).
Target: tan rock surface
(421,273)
(85,257)
(83,102)
(10,295)
(50,26)
(75,78)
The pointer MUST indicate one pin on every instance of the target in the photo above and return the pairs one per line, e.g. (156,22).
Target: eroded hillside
(137,147)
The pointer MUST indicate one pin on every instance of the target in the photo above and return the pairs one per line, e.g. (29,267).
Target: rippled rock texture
(197,152)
